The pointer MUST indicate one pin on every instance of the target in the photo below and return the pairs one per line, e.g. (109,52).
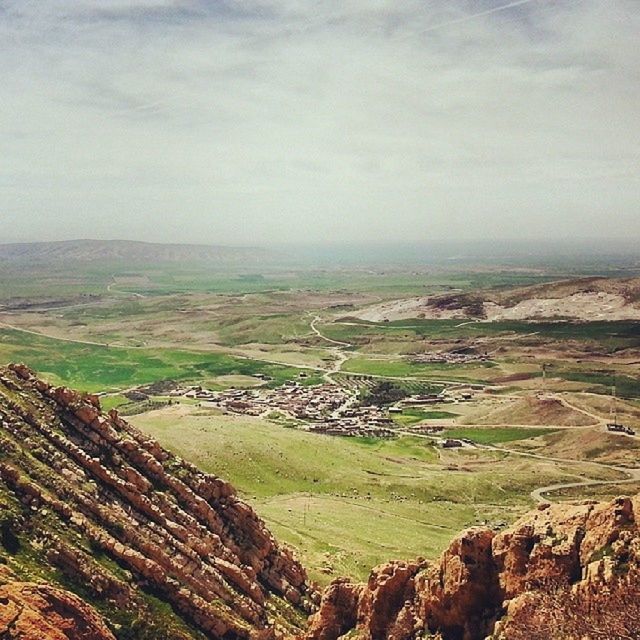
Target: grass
(410,416)
(405,369)
(161,279)
(496,435)
(626,386)
(113,401)
(272,329)
(612,334)
(347,504)
(98,368)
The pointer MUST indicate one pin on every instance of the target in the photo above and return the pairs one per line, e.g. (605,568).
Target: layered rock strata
(91,486)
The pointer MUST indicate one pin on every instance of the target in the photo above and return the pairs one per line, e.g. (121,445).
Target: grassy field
(611,334)
(412,415)
(349,504)
(394,368)
(496,435)
(99,368)
(602,381)
(163,279)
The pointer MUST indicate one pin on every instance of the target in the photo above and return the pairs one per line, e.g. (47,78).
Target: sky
(308,121)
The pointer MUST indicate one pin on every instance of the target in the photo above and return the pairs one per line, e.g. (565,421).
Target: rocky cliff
(565,572)
(105,535)
(162,550)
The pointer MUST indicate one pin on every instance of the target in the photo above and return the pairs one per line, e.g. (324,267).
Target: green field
(394,368)
(348,504)
(100,368)
(611,334)
(167,279)
(603,381)
(496,435)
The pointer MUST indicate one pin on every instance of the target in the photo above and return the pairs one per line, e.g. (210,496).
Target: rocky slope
(565,572)
(582,299)
(31,611)
(104,535)
(162,550)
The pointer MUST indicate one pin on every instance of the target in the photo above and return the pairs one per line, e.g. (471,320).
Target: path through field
(337,351)
(632,474)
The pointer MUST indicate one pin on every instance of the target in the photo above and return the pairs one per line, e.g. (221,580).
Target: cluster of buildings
(292,400)
(326,408)
(449,357)
(363,421)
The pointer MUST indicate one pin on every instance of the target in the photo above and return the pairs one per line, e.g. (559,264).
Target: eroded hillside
(161,549)
(561,572)
(583,299)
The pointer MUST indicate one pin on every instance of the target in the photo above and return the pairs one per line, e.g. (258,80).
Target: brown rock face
(107,511)
(80,486)
(338,611)
(565,572)
(40,612)
(459,598)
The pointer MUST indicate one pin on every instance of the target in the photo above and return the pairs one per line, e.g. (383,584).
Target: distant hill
(71,251)
(584,299)
(628,288)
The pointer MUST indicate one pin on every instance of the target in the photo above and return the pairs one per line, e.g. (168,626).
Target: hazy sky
(259,121)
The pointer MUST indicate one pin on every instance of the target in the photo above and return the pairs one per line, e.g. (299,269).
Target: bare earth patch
(587,306)
(580,306)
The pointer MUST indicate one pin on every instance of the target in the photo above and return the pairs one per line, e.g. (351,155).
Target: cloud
(290,120)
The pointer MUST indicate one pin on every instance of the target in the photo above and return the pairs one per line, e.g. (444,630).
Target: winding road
(540,495)
(632,474)
(337,349)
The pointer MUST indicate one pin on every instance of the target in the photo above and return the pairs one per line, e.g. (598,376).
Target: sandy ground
(580,306)
(405,309)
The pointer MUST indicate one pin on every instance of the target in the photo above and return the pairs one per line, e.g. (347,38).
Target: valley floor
(529,398)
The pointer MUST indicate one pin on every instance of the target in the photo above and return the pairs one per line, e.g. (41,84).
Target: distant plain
(345,504)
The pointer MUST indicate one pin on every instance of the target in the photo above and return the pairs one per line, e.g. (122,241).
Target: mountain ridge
(106,535)
(118,516)
(129,251)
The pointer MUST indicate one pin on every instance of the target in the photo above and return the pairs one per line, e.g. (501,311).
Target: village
(459,356)
(325,409)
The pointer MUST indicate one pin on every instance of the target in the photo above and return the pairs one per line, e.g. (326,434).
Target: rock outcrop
(563,571)
(119,518)
(104,534)
(31,611)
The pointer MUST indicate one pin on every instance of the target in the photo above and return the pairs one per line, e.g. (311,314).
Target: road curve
(632,474)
